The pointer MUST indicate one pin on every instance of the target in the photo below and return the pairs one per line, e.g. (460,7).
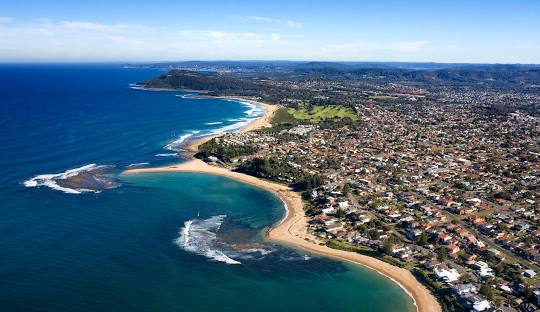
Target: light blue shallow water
(128,248)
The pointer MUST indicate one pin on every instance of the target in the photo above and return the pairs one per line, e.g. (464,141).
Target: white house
(447,275)
(483,269)
(481,305)
(464,289)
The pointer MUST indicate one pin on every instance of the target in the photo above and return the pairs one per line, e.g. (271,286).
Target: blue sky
(493,31)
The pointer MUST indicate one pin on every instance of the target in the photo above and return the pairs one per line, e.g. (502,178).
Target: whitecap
(199,236)
(214,123)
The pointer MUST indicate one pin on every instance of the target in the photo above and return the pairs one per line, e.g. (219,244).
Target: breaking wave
(239,123)
(137,164)
(84,179)
(136,86)
(199,237)
(253,110)
(177,144)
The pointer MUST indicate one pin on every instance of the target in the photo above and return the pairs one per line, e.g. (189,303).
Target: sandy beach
(292,230)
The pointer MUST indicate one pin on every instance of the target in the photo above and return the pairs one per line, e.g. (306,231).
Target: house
(412,234)
(476,303)
(483,269)
(452,249)
(536,293)
(343,205)
(481,305)
(464,289)
(329,210)
(447,275)
(469,258)
(529,273)
(445,238)
(333,226)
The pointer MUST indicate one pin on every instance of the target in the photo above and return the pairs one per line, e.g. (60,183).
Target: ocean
(77,236)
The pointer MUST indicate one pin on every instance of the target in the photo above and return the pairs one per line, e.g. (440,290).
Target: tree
(389,243)
(466,278)
(346,189)
(487,291)
(422,239)
(443,254)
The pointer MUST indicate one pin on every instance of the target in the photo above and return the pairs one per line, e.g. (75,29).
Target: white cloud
(70,40)
(289,23)
(89,26)
(217,35)
(90,41)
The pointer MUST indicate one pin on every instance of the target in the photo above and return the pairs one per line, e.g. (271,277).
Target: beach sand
(292,230)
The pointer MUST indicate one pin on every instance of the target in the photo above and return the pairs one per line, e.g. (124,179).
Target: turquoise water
(125,249)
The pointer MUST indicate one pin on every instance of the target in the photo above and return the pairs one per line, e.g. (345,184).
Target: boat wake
(199,237)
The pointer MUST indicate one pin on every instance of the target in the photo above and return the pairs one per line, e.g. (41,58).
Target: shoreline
(292,229)
(192,145)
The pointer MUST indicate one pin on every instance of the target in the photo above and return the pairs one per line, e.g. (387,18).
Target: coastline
(262,122)
(292,229)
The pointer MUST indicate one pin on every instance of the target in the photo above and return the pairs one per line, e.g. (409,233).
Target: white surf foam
(253,109)
(199,237)
(167,155)
(214,123)
(239,123)
(260,251)
(137,164)
(185,96)
(135,86)
(49,180)
(177,144)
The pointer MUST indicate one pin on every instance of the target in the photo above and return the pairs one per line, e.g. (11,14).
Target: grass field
(319,113)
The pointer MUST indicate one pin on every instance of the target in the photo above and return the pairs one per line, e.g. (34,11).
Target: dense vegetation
(224,153)
(279,171)
(282,116)
(254,78)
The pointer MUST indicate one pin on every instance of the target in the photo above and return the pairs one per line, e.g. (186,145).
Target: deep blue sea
(150,242)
